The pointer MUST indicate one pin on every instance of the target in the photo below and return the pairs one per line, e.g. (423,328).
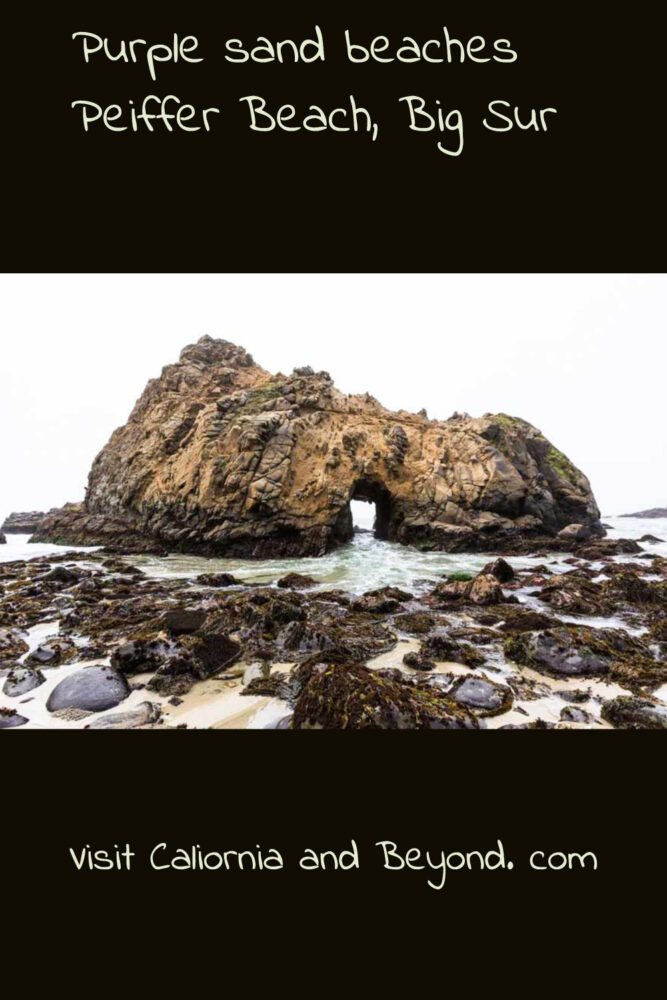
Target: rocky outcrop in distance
(653,512)
(220,457)
(23,523)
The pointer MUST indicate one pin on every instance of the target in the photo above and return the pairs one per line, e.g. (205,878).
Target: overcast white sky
(583,357)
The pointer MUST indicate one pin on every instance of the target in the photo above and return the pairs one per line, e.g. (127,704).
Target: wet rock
(3,540)
(255,671)
(376,604)
(182,621)
(629,588)
(573,593)
(53,652)
(580,651)
(577,715)
(440,646)
(417,661)
(626,712)
(576,695)
(92,689)
(603,547)
(651,538)
(349,696)
(416,622)
(522,619)
(10,718)
(139,656)
(20,680)
(219,580)
(485,589)
(64,575)
(501,569)
(481,696)
(296,581)
(191,659)
(145,714)
(356,637)
(12,645)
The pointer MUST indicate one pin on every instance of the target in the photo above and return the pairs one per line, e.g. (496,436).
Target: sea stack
(23,523)
(220,457)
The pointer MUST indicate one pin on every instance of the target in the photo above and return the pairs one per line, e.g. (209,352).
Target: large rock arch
(220,457)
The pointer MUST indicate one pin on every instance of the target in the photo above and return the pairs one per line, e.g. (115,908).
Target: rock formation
(23,523)
(653,512)
(220,457)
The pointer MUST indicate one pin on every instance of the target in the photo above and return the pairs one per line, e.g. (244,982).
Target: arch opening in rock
(368,491)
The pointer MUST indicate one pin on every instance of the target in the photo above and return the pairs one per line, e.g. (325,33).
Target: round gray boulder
(92,689)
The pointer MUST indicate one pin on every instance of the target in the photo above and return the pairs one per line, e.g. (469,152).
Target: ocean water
(363,564)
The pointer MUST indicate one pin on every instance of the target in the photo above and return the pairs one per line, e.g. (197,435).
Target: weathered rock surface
(3,540)
(220,457)
(23,523)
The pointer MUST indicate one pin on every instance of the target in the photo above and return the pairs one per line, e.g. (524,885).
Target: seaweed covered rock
(579,651)
(626,712)
(349,696)
(220,457)
(296,581)
(12,646)
(441,646)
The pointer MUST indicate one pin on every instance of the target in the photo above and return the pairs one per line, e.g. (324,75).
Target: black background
(583,196)
(586,196)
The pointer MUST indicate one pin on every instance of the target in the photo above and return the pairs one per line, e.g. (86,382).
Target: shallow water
(363,564)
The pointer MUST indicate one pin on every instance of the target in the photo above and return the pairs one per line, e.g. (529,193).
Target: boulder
(12,645)
(296,581)
(10,718)
(579,651)
(219,580)
(417,661)
(20,680)
(626,712)
(182,621)
(574,532)
(92,689)
(501,569)
(481,696)
(145,714)
(3,540)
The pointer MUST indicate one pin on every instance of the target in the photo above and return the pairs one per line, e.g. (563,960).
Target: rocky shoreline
(89,640)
